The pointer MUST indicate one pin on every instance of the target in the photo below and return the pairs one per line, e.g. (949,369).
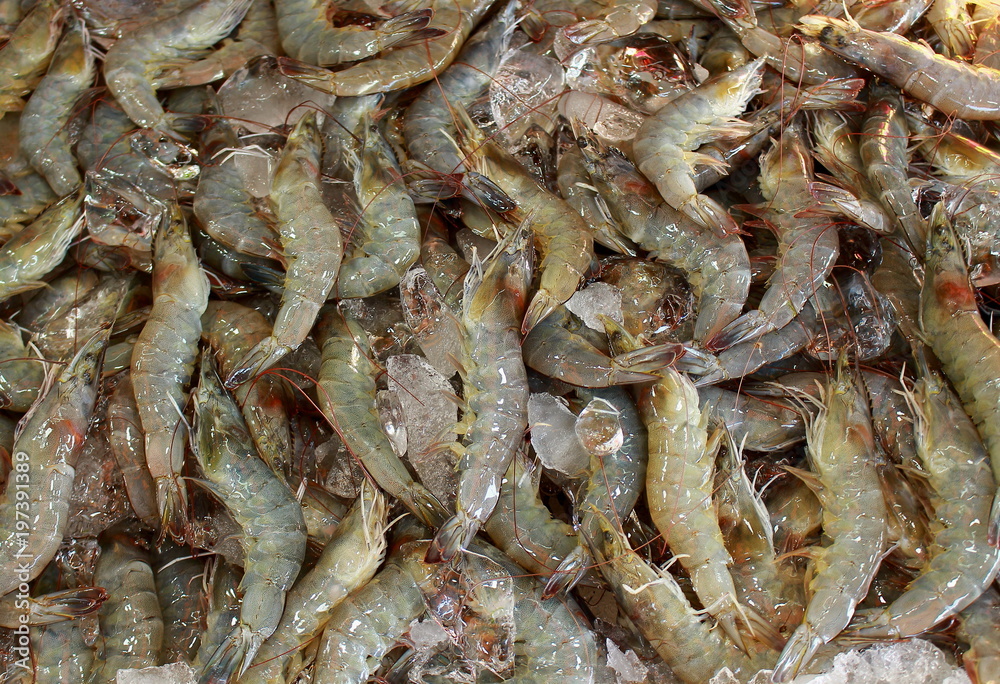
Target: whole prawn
(958,89)
(951,324)
(163,363)
(404,67)
(391,233)
(496,388)
(274,533)
(310,239)
(961,565)
(664,147)
(48,442)
(842,456)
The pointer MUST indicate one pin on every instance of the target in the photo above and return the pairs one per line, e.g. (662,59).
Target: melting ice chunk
(553,435)
(627,666)
(174,673)
(428,410)
(599,428)
(594,300)
(524,91)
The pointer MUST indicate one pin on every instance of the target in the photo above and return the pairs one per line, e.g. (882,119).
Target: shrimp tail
(650,359)
(312,76)
(188,123)
(568,573)
(828,30)
(743,328)
(727,621)
(230,659)
(799,650)
(741,12)
(172,495)
(542,304)
(710,214)
(67,605)
(454,535)
(265,354)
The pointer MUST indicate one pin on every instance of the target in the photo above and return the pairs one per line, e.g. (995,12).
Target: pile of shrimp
(480,341)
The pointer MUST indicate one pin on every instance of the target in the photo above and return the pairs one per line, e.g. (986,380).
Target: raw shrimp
(163,362)
(390,232)
(575,185)
(679,483)
(956,88)
(348,562)
(231,330)
(40,247)
(557,351)
(274,533)
(347,397)
(128,446)
(745,358)
(310,239)
(44,130)
(429,126)
(27,53)
(495,388)
(613,482)
(664,147)
(404,67)
(762,580)
(807,249)
(524,528)
(842,458)
(131,622)
(34,510)
(655,603)
(369,622)
(225,208)
(309,35)
(961,565)
(224,609)
(134,61)
(951,324)
(805,63)
(564,242)
(884,137)
(717,268)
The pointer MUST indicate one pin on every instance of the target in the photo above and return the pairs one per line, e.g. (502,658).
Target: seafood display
(597,341)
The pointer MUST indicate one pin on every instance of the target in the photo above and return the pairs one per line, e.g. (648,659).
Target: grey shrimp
(310,239)
(390,232)
(664,147)
(842,457)
(163,362)
(496,388)
(133,61)
(274,533)
(48,443)
(44,130)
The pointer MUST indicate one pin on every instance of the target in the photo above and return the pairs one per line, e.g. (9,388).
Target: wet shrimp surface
(599,341)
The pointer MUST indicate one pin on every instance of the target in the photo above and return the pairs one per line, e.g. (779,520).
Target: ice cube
(524,91)
(553,435)
(436,327)
(390,412)
(429,411)
(174,673)
(594,300)
(604,117)
(427,635)
(260,98)
(599,428)
(627,666)
(913,662)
